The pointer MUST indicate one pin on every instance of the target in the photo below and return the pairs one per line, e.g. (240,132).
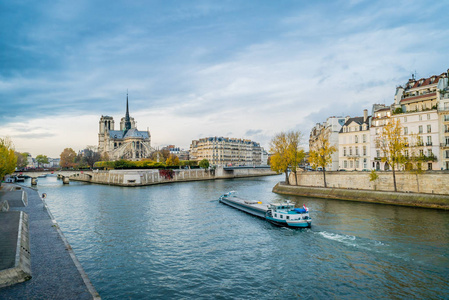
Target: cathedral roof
(134,133)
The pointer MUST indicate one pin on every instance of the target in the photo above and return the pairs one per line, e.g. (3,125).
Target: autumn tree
(67,158)
(204,164)
(392,143)
(41,159)
(172,160)
(8,159)
(286,152)
(320,154)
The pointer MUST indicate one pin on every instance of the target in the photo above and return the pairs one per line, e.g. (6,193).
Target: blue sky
(245,69)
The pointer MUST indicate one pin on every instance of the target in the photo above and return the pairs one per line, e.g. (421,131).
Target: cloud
(205,69)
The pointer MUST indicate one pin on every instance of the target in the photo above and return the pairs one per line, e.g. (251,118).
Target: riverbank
(132,178)
(55,271)
(393,198)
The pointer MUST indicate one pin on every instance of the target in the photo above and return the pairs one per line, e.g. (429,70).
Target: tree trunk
(286,177)
(296,178)
(394,178)
(324,176)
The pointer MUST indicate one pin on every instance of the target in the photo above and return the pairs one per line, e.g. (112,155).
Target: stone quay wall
(433,182)
(150,177)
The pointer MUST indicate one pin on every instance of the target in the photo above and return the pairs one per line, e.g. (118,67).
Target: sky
(193,69)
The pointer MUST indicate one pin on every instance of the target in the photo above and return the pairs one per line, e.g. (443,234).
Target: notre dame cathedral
(126,143)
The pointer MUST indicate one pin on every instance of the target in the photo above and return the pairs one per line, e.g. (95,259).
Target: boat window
(288,217)
(282,216)
(275,215)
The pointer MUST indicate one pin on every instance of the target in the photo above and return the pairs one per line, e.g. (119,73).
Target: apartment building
(381,115)
(226,151)
(331,128)
(354,143)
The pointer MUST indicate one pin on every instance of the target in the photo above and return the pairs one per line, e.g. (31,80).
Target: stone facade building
(354,143)
(223,151)
(331,127)
(126,143)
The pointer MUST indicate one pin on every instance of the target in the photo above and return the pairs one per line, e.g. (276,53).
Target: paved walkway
(56,273)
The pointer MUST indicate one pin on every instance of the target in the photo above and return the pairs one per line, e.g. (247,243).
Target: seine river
(176,241)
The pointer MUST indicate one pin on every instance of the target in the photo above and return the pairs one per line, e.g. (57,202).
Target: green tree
(320,154)
(67,158)
(41,159)
(22,160)
(204,164)
(392,143)
(8,159)
(287,153)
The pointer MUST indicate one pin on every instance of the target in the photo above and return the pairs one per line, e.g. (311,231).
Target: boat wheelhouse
(285,214)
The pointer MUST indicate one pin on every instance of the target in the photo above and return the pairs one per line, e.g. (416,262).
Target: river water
(176,241)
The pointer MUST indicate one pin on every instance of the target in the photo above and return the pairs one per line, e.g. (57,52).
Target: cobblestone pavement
(54,272)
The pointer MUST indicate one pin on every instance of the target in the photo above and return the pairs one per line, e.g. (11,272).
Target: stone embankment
(36,261)
(429,189)
(150,177)
(394,198)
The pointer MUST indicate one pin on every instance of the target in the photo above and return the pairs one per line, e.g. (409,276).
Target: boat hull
(241,205)
(303,224)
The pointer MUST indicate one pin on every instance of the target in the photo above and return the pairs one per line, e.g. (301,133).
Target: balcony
(429,144)
(444,145)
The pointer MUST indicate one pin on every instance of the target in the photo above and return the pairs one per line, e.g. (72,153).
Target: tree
(321,153)
(8,159)
(294,152)
(392,143)
(279,159)
(22,160)
(204,164)
(67,158)
(172,160)
(91,156)
(286,151)
(41,159)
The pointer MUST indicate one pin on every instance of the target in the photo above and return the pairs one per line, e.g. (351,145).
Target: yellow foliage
(8,159)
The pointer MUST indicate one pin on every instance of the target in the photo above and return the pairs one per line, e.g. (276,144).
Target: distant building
(126,143)
(180,153)
(227,151)
(381,115)
(331,127)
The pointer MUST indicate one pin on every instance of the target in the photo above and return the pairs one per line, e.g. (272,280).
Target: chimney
(365,115)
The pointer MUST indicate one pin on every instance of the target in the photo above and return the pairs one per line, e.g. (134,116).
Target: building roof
(412,84)
(132,133)
(358,120)
(420,97)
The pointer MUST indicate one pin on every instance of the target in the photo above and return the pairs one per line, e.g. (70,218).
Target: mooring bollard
(33,181)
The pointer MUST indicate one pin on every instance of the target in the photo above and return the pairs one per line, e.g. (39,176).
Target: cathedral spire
(127,119)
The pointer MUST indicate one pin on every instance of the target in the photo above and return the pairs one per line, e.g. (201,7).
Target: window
(447,153)
(357,164)
(377,153)
(429,166)
(420,129)
(446,128)
(288,217)
(405,130)
(428,116)
(429,152)
(351,164)
(429,128)
(405,119)
(356,139)
(421,152)
(364,138)
(356,150)
(364,163)
(446,118)
(350,150)
(344,151)
(345,163)
(420,117)
(429,141)
(281,216)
